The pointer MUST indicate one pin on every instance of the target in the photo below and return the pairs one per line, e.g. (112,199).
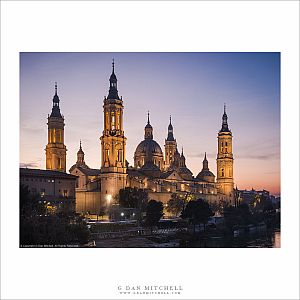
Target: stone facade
(161,174)
(55,187)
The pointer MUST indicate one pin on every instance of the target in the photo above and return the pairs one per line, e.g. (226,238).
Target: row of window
(55,135)
(115,124)
(222,173)
(120,155)
(38,179)
(42,192)
(224,143)
(63,202)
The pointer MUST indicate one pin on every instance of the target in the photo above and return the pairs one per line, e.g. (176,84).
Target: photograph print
(149,150)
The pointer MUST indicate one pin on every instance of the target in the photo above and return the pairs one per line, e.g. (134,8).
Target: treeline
(198,211)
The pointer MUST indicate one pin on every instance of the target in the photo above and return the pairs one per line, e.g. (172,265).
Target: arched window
(59,163)
(106,154)
(222,172)
(118,120)
(113,121)
(54,135)
(120,155)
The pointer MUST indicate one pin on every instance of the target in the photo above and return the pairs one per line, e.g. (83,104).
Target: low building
(55,187)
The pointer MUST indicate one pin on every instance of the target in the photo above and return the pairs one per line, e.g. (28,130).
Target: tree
(37,227)
(30,205)
(154,213)
(237,216)
(132,197)
(175,205)
(218,206)
(198,212)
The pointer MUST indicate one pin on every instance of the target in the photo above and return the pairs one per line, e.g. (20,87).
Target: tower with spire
(56,151)
(170,146)
(225,161)
(80,157)
(113,142)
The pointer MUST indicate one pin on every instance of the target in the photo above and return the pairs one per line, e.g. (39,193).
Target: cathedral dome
(148,148)
(185,173)
(206,175)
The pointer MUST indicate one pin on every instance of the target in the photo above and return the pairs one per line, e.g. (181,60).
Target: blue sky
(192,87)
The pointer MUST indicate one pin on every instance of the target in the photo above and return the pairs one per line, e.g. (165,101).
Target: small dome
(206,175)
(185,173)
(150,169)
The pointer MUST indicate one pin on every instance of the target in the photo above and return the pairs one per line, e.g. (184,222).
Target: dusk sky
(192,87)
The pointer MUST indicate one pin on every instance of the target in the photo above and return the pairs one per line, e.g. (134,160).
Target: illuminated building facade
(161,174)
(225,161)
(55,188)
(113,142)
(56,151)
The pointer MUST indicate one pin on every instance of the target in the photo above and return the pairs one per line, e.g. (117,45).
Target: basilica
(160,172)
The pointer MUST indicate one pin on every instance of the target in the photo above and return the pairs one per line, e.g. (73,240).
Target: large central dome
(148,147)
(148,150)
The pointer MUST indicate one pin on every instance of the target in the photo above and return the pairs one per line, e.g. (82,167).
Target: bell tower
(56,151)
(113,142)
(225,162)
(170,146)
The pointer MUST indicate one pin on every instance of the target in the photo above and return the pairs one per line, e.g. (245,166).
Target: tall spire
(224,121)
(55,106)
(113,91)
(148,118)
(170,131)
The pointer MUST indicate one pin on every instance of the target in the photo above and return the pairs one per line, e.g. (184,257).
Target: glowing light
(122,214)
(108,198)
